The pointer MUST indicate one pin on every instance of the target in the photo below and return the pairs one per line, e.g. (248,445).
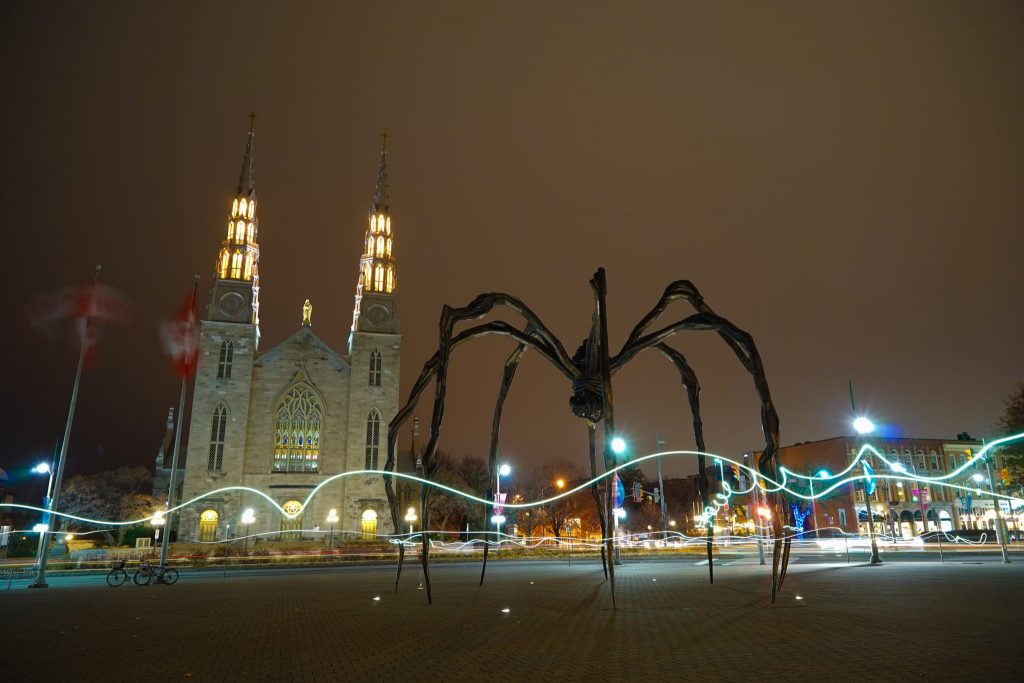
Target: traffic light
(1004,474)
(736,481)
(657,495)
(637,492)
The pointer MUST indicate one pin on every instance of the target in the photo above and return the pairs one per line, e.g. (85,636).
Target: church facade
(285,420)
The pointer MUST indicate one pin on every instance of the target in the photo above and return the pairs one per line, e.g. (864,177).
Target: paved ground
(955,621)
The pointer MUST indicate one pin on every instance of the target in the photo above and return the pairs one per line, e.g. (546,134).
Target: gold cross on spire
(384,140)
(252,121)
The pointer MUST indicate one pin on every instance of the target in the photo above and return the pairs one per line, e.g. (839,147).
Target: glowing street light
(560,483)
(42,468)
(410,517)
(332,518)
(248,517)
(618,445)
(498,519)
(863,425)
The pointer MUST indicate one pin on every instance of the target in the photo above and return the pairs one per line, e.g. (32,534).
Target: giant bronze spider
(590,371)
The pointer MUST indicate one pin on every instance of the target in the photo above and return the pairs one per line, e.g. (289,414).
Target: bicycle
(117,575)
(147,574)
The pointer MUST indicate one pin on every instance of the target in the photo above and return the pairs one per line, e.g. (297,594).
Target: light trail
(710,511)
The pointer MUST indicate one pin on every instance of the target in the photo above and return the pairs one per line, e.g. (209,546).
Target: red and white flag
(88,306)
(181,337)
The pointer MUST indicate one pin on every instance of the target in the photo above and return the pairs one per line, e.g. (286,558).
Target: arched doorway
(907,524)
(369,524)
(208,526)
(945,521)
(933,519)
(291,523)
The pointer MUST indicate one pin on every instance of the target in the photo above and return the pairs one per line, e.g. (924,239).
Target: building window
(297,431)
(236,266)
(372,440)
(291,522)
(220,423)
(376,366)
(842,518)
(208,526)
(227,356)
(369,525)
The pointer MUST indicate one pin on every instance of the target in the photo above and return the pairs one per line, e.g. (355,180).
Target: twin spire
(238,259)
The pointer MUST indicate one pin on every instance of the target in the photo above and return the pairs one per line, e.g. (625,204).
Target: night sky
(845,181)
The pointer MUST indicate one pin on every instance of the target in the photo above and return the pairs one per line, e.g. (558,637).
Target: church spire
(380,195)
(378,276)
(246,182)
(235,295)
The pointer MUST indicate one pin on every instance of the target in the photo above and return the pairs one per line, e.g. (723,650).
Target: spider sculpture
(590,372)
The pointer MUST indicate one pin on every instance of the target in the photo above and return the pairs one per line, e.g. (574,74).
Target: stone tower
(374,350)
(229,336)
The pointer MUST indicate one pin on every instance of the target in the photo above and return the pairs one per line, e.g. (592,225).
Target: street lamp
(44,526)
(248,517)
(332,518)
(410,517)
(497,518)
(618,445)
(158,522)
(560,483)
(865,426)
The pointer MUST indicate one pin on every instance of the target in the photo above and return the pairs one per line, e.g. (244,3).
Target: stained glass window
(297,431)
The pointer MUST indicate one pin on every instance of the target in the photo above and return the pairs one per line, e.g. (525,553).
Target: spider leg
(743,346)
(537,337)
(511,365)
(692,386)
(591,439)
(600,287)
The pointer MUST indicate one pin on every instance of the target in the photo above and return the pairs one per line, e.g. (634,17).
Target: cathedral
(285,419)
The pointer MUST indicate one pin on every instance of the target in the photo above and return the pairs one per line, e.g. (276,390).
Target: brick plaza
(911,620)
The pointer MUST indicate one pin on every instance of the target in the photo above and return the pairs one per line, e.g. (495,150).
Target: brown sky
(843,180)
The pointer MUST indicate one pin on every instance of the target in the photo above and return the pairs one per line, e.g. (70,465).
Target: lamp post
(823,474)
(248,517)
(332,518)
(44,526)
(1000,529)
(618,448)
(865,426)
(158,522)
(503,470)
(410,517)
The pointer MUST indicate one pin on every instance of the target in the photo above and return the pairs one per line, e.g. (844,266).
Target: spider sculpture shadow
(590,372)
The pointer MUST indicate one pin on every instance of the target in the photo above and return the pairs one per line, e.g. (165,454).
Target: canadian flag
(87,305)
(180,337)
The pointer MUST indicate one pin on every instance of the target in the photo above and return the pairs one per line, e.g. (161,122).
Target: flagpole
(44,537)
(177,443)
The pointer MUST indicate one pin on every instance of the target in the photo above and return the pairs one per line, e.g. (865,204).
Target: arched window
(372,439)
(220,423)
(250,229)
(376,366)
(390,282)
(369,246)
(380,246)
(208,526)
(227,357)
(242,206)
(389,247)
(369,524)
(236,266)
(248,265)
(231,231)
(297,431)
(378,279)
(234,208)
(224,263)
(291,526)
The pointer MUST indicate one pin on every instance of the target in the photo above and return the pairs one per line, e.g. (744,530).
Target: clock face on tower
(378,315)
(231,304)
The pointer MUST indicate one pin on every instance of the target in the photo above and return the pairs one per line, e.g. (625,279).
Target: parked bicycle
(148,573)
(117,575)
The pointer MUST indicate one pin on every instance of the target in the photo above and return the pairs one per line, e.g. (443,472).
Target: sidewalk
(955,621)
